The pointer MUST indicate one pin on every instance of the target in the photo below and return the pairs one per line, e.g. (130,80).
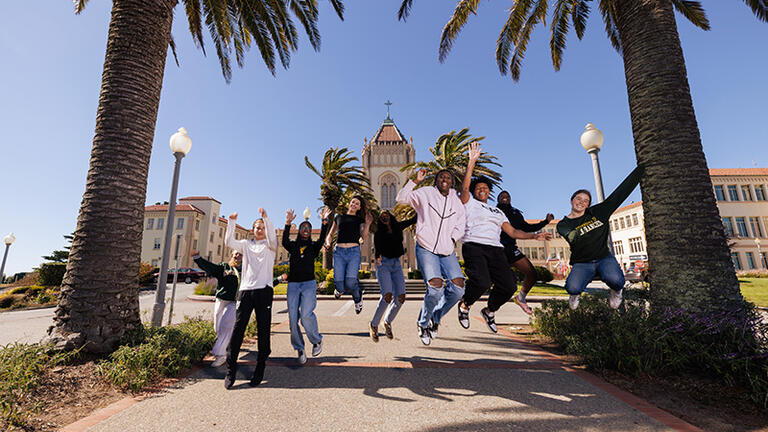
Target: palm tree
(690,262)
(450,152)
(99,298)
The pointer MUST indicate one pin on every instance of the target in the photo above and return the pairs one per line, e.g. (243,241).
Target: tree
(99,298)
(60,256)
(690,262)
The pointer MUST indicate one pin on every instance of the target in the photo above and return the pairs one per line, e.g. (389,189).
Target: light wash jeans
(302,299)
(223,323)
(346,264)
(391,281)
(581,274)
(438,301)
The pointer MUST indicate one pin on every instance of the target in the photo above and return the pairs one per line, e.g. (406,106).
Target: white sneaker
(220,360)
(424,335)
(359,307)
(302,357)
(317,349)
(615,300)
(573,301)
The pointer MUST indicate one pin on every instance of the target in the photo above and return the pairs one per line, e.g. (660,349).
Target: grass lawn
(547,290)
(281,289)
(755,290)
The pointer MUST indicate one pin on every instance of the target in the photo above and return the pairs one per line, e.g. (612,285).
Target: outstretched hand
(474,151)
(368,219)
(193,253)
(543,236)
(289,216)
(325,213)
(421,175)
(549,217)
(262,212)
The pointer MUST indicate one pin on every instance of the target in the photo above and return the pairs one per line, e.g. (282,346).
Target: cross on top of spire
(388,104)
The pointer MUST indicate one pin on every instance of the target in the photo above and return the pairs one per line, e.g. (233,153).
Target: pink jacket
(440,220)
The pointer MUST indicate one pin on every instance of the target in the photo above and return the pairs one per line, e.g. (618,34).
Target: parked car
(637,272)
(186,275)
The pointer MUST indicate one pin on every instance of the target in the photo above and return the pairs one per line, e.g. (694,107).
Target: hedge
(51,274)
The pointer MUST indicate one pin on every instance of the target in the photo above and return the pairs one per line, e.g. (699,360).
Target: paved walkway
(467,380)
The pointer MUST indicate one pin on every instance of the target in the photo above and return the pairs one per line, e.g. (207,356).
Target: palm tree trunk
(689,260)
(99,294)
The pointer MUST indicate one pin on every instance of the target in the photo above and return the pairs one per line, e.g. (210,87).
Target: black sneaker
(258,374)
(489,320)
(336,294)
(388,330)
(424,335)
(433,330)
(374,332)
(463,315)
(229,381)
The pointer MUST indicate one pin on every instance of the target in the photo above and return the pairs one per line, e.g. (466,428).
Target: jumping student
(388,242)
(352,226)
(255,293)
(514,256)
(440,223)
(227,275)
(586,230)
(484,259)
(302,288)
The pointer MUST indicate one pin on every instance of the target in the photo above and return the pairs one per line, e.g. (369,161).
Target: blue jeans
(438,301)
(391,281)
(346,263)
(582,273)
(302,299)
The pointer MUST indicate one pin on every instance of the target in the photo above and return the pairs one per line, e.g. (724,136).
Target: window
(534,253)
(719,193)
(542,253)
(211,237)
(750,260)
(621,222)
(194,244)
(618,247)
(154,263)
(197,224)
(764,260)
(385,196)
(728,226)
(157,243)
(180,223)
(213,218)
(629,221)
(392,194)
(209,256)
(160,223)
(150,223)
(634,219)
(741,226)
(218,250)
(733,193)
(754,223)
(636,245)
(736,261)
(746,193)
(759,193)
(221,232)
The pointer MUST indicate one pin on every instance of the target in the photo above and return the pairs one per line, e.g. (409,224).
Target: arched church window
(392,195)
(384,196)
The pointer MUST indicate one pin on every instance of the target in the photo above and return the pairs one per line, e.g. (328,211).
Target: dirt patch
(69,393)
(709,404)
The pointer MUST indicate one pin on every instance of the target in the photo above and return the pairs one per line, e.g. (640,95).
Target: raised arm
(606,208)
(289,217)
(518,234)
(212,269)
(366,227)
(323,229)
(519,223)
(329,237)
(270,230)
(406,223)
(407,195)
(229,238)
(474,155)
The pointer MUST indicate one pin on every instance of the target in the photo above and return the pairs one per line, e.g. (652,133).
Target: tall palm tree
(340,182)
(451,152)
(690,262)
(99,299)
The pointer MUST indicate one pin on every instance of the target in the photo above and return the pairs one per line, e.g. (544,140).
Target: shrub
(33,292)
(415,274)
(207,287)
(148,354)
(7,301)
(146,274)
(330,285)
(51,274)
(320,274)
(724,345)
(542,274)
(19,290)
(363,274)
(279,269)
(47,296)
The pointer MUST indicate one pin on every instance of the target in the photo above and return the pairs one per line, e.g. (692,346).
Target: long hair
(298,231)
(361,211)
(382,226)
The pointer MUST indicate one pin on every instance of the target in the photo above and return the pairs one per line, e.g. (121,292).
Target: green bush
(320,274)
(51,274)
(46,297)
(723,345)
(147,354)
(415,274)
(363,274)
(206,287)
(330,285)
(279,269)
(19,290)
(146,274)
(7,301)
(542,274)
(33,292)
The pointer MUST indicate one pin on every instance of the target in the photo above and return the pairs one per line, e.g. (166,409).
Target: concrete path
(467,380)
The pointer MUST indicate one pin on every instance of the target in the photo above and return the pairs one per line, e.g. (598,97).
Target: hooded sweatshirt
(441,219)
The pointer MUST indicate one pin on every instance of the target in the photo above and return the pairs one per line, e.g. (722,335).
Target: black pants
(486,265)
(260,302)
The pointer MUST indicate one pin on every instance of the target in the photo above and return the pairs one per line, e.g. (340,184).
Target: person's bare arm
(474,155)
(522,235)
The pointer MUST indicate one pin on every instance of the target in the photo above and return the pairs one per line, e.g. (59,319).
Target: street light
(180,146)
(592,141)
(8,240)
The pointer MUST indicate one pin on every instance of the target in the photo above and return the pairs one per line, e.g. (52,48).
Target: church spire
(388,104)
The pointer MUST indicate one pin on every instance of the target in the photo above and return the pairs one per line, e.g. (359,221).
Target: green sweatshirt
(228,277)
(588,235)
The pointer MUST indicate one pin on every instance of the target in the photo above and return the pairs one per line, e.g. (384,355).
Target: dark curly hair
(480,179)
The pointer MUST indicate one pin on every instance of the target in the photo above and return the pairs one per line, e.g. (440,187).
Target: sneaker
(337,294)
(424,335)
(615,300)
(302,357)
(317,349)
(220,360)
(229,380)
(522,303)
(433,330)
(573,301)
(258,374)
(374,332)
(463,316)
(359,307)
(388,330)
(490,320)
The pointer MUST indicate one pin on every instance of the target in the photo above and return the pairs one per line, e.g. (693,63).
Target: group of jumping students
(443,217)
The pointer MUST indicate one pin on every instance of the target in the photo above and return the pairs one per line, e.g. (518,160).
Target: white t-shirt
(483,223)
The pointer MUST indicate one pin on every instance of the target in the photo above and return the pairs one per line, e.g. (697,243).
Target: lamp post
(592,140)
(175,278)
(759,253)
(180,146)
(8,240)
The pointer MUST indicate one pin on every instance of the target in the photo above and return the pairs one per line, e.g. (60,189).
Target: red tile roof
(179,208)
(629,206)
(738,171)
(199,198)
(388,133)
(535,221)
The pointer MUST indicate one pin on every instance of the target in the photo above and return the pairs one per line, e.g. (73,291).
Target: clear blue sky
(249,137)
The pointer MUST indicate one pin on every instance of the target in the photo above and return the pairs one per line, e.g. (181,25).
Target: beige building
(628,234)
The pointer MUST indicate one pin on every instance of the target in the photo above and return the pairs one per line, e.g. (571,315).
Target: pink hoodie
(440,220)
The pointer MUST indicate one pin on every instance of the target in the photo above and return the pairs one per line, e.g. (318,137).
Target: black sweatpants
(260,302)
(486,265)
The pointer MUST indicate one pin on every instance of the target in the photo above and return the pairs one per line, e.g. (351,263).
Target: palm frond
(405,10)
(693,11)
(194,19)
(759,8)
(80,5)
(536,16)
(338,6)
(306,11)
(608,12)
(454,26)
(172,45)
(509,33)
(579,16)
(559,31)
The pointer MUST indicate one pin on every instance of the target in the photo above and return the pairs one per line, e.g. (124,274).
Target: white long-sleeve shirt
(258,256)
